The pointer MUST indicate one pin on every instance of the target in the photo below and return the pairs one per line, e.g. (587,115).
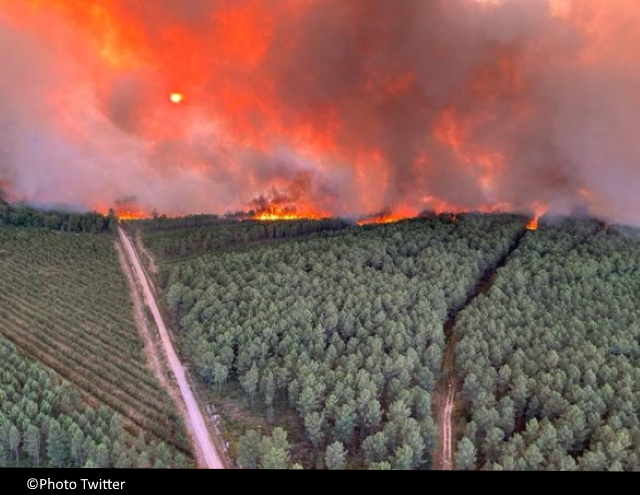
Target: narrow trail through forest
(194,418)
(448,383)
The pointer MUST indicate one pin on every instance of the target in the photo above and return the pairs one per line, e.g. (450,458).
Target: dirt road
(447,437)
(197,423)
(447,384)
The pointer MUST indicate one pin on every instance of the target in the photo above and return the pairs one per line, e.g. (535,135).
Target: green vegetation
(345,328)
(550,355)
(25,216)
(198,234)
(44,422)
(65,302)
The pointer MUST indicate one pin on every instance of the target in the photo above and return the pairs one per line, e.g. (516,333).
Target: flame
(382,219)
(132,215)
(533,224)
(275,212)
(124,210)
(386,217)
(374,116)
(539,210)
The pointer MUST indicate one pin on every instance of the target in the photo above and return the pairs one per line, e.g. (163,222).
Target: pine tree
(14,443)
(314,423)
(57,445)
(403,459)
(78,453)
(249,449)
(33,444)
(275,450)
(466,456)
(335,457)
(102,456)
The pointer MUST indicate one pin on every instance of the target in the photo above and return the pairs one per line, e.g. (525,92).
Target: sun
(176,98)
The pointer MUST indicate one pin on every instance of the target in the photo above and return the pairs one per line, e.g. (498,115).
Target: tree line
(183,240)
(26,216)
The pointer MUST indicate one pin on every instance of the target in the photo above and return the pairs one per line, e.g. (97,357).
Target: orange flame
(132,215)
(380,219)
(240,101)
(275,213)
(387,216)
(533,224)
(124,211)
(540,210)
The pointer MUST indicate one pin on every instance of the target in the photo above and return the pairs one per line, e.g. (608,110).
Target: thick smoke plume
(345,107)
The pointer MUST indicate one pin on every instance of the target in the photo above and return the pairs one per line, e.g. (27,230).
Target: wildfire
(132,215)
(273,217)
(540,210)
(378,116)
(382,219)
(533,224)
(276,213)
(124,211)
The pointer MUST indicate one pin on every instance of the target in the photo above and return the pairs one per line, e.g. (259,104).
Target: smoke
(323,106)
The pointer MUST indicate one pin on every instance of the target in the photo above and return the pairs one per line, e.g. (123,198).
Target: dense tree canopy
(346,328)
(550,356)
(25,216)
(197,234)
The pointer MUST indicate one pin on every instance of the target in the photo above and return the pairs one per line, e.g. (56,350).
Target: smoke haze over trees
(341,108)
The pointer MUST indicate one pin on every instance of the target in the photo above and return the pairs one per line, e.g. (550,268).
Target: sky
(322,107)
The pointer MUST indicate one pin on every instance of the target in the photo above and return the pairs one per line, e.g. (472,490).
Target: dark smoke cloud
(346,107)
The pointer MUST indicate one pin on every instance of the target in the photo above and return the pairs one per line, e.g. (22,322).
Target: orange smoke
(322,107)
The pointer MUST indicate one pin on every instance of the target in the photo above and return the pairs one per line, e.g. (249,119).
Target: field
(343,328)
(65,302)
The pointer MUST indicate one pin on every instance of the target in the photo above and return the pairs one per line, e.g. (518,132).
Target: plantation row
(344,328)
(550,356)
(65,301)
(170,243)
(44,422)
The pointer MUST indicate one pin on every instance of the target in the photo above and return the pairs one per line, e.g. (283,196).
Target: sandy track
(447,437)
(194,415)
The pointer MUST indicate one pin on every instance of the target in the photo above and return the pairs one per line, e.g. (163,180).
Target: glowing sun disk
(176,98)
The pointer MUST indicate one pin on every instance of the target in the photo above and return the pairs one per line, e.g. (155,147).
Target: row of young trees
(44,422)
(174,238)
(346,329)
(549,357)
(65,301)
(26,216)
